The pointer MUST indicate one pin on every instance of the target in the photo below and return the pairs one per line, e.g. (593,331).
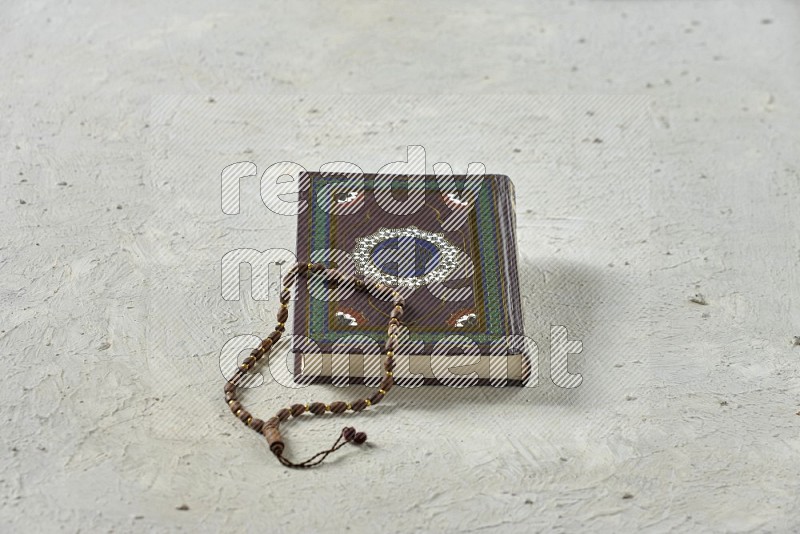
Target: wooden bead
(229,396)
(229,387)
(235,406)
(302,268)
(317,408)
(244,415)
(266,344)
(338,407)
(275,336)
(387,383)
(397,312)
(274,440)
(272,421)
(270,431)
(376,398)
(358,405)
(286,296)
(297,409)
(280,328)
(284,414)
(283,314)
(277,448)
(256,424)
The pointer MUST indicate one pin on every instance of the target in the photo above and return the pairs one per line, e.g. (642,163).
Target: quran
(446,243)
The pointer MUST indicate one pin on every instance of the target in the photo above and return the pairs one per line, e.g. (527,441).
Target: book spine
(508,231)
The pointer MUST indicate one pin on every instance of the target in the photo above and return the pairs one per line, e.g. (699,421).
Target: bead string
(269,428)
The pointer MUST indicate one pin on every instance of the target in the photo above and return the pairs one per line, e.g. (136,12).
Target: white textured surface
(112,319)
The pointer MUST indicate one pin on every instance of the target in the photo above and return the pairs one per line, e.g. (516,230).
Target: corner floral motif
(349,197)
(349,318)
(455,200)
(463,319)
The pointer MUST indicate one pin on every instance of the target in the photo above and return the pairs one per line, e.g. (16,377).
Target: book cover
(447,243)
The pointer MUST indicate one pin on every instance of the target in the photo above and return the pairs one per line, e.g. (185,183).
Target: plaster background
(112,319)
